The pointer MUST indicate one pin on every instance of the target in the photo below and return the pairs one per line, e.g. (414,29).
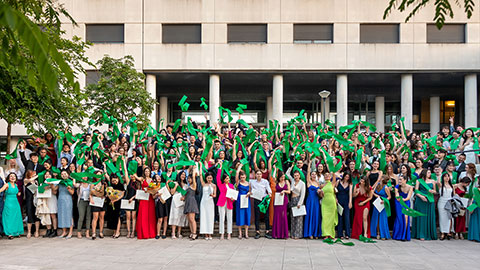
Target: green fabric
(240,108)
(183,104)
(329,210)
(13,154)
(263,205)
(364,239)
(203,104)
(330,241)
(386,204)
(407,210)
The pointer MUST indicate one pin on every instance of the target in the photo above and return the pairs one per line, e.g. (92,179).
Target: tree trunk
(9,137)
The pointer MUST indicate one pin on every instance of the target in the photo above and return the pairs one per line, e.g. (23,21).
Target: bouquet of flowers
(153,187)
(114,194)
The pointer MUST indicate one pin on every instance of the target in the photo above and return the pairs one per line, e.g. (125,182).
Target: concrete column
(470,100)
(269,108)
(277,98)
(342,100)
(164,110)
(407,100)
(434,115)
(327,109)
(380,113)
(214,98)
(151,84)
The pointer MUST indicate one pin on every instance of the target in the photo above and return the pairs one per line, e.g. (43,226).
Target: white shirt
(263,185)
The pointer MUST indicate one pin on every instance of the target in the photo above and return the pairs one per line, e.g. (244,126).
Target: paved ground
(234,254)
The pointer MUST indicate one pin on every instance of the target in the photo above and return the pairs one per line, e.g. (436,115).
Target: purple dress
(280,221)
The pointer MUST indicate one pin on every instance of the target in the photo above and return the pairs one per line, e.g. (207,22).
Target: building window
(181,33)
(313,33)
(379,33)
(450,33)
(105,33)
(247,33)
(92,77)
(447,110)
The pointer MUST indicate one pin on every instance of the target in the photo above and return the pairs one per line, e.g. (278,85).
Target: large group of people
(300,181)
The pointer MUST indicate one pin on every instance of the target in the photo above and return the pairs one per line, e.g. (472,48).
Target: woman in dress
(113,205)
(242,214)
(344,198)
(31,179)
(207,205)
(379,222)
(460,221)
(424,227)
(329,206)
(225,205)
(84,208)
(444,217)
(401,227)
(392,182)
(162,208)
(12,221)
(280,221)
(312,225)
(98,212)
(362,194)
(466,144)
(297,199)
(50,209)
(146,218)
(65,207)
(474,223)
(375,174)
(191,205)
(177,219)
(131,215)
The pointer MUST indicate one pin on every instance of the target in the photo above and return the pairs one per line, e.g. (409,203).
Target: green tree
(120,91)
(443,8)
(30,98)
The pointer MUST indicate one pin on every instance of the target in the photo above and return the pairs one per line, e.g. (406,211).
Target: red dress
(146,218)
(357,228)
(460,220)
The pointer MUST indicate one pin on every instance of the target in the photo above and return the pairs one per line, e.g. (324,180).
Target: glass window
(181,33)
(313,33)
(105,33)
(379,33)
(450,33)
(247,33)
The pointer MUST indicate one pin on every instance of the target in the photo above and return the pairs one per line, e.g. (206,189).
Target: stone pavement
(233,254)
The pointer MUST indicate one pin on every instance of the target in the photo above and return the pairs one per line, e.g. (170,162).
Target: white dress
(52,204)
(470,156)
(443,215)
(207,210)
(177,217)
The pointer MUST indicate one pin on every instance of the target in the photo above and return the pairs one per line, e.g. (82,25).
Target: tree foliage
(443,8)
(40,95)
(120,91)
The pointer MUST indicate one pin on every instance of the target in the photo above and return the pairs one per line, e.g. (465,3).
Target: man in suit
(461,167)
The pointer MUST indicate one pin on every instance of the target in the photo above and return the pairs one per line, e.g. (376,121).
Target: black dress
(131,191)
(162,209)
(113,211)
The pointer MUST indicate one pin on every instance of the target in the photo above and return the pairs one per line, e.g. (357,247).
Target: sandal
(101,236)
(194,236)
(10,237)
(94,236)
(29,235)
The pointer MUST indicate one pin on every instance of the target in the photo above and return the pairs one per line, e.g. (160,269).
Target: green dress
(424,227)
(329,211)
(12,216)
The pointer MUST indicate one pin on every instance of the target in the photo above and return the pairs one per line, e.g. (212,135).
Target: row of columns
(275,102)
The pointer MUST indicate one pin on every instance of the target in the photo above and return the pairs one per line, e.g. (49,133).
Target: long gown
(329,211)
(401,228)
(65,207)
(280,221)
(146,217)
(357,228)
(113,211)
(12,216)
(474,225)
(313,218)
(207,211)
(242,214)
(343,197)
(444,218)
(460,221)
(424,227)
(380,219)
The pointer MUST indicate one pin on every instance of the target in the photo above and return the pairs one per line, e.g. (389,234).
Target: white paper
(56,182)
(232,194)
(257,194)
(340,209)
(33,188)
(302,211)
(141,195)
(279,198)
(46,194)
(379,205)
(244,201)
(165,194)
(176,200)
(97,201)
(125,204)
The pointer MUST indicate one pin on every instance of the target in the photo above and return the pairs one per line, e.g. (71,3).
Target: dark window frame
(235,40)
(364,39)
(99,41)
(166,39)
(297,40)
(459,41)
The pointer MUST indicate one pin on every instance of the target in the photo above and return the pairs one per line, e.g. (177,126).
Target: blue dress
(313,219)
(380,219)
(401,228)
(12,216)
(65,207)
(243,214)
(343,198)
(474,225)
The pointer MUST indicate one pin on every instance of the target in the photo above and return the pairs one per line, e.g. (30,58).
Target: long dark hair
(349,181)
(280,174)
(179,178)
(443,180)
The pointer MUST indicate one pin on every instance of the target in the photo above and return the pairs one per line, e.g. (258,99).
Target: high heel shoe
(194,237)
(94,236)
